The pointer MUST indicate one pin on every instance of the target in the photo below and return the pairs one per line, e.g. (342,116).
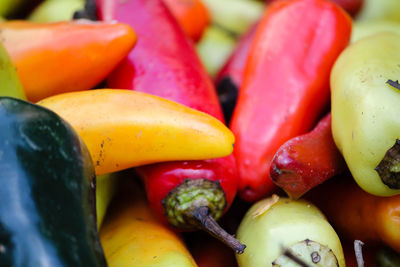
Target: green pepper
(366,111)
(47,211)
(9,80)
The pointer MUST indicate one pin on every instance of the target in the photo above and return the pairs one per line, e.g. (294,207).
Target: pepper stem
(205,221)
(309,253)
(389,168)
(197,204)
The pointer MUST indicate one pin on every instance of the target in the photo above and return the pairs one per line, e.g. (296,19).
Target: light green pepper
(10,84)
(274,224)
(56,10)
(366,111)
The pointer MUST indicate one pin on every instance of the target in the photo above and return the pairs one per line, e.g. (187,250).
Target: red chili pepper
(351,6)
(286,84)
(307,160)
(164,63)
(230,77)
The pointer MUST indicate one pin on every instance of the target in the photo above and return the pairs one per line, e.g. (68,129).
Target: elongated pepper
(187,194)
(286,84)
(64,56)
(307,160)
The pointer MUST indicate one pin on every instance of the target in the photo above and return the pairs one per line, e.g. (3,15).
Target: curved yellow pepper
(366,111)
(131,236)
(124,129)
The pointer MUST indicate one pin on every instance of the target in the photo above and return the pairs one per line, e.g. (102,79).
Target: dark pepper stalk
(307,160)
(192,194)
(286,84)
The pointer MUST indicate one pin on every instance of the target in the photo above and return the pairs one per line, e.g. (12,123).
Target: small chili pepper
(77,54)
(190,194)
(358,215)
(145,128)
(132,236)
(307,160)
(286,84)
(230,77)
(192,15)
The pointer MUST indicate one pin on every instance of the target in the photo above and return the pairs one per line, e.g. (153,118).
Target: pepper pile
(128,125)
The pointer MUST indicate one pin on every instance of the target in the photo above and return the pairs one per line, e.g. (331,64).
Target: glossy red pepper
(164,63)
(230,77)
(351,6)
(286,84)
(307,160)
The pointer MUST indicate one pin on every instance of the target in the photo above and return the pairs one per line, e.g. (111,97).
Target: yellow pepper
(124,129)
(131,236)
(366,111)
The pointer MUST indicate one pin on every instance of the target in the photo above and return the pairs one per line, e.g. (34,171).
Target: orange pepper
(192,15)
(65,56)
(358,215)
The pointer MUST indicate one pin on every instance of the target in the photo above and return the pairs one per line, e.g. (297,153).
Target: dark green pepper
(47,188)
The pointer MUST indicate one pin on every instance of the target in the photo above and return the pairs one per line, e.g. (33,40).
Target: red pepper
(307,160)
(164,63)
(230,77)
(286,84)
(351,6)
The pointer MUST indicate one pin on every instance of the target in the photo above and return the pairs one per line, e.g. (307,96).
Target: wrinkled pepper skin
(192,15)
(307,160)
(132,236)
(47,181)
(286,85)
(9,80)
(365,111)
(175,73)
(356,214)
(78,54)
(124,129)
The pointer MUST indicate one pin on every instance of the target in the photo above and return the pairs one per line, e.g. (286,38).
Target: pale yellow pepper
(366,111)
